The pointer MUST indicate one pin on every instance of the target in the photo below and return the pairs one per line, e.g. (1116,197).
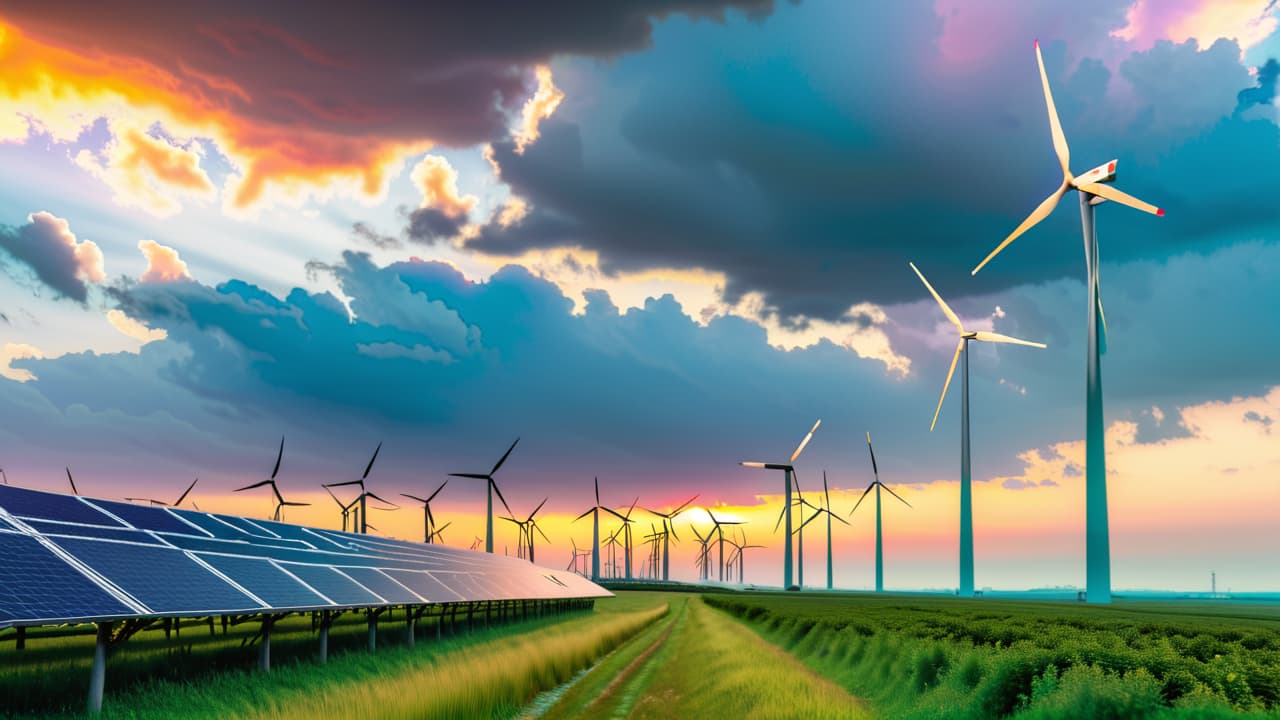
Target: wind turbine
(281,503)
(161,503)
(669,527)
(879,534)
(704,553)
(492,488)
(346,508)
(526,528)
(428,520)
(1092,191)
(818,512)
(475,544)
(437,533)
(741,549)
(594,511)
(364,495)
(966,489)
(626,537)
(719,530)
(788,470)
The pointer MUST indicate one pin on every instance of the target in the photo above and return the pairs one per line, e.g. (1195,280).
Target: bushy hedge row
(960,659)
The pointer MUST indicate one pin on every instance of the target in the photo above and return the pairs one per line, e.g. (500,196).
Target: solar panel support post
(373,630)
(21,641)
(408,626)
(98,672)
(264,647)
(324,636)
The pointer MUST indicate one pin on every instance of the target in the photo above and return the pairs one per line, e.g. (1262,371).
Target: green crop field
(918,657)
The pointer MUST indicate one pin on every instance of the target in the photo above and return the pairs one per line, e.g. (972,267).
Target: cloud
(133,328)
(705,171)
(444,212)
(364,233)
(47,246)
(148,172)
(296,101)
(17,351)
(1264,93)
(1263,421)
(1247,23)
(163,264)
(544,102)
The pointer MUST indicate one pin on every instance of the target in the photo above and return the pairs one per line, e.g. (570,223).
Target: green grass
(212,676)
(714,668)
(915,657)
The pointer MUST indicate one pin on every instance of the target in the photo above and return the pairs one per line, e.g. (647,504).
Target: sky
(651,239)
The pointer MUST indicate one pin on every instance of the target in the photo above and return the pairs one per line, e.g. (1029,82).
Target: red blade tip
(1037,42)
(1159,212)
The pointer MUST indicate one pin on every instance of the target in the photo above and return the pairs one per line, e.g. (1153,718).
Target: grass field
(913,657)
(205,675)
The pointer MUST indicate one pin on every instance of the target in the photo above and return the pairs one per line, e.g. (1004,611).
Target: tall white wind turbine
(1092,190)
(966,489)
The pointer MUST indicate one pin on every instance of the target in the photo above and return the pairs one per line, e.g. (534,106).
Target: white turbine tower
(966,489)
(1092,191)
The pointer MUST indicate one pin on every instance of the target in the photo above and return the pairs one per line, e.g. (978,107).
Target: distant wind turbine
(161,503)
(669,527)
(594,511)
(966,489)
(879,534)
(428,520)
(281,503)
(1092,191)
(364,495)
(492,488)
(818,512)
(788,469)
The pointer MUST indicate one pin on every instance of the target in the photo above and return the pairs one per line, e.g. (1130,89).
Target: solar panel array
(66,559)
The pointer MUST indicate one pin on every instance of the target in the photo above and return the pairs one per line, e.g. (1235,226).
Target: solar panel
(37,585)
(265,581)
(50,506)
(147,518)
(67,559)
(166,580)
(93,531)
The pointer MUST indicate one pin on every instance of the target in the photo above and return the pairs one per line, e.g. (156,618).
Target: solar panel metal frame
(496,577)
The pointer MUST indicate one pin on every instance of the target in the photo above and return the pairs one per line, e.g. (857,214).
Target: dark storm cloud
(366,234)
(1265,92)
(402,70)
(430,225)
(803,183)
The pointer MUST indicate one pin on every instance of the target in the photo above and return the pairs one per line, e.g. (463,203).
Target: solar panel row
(69,559)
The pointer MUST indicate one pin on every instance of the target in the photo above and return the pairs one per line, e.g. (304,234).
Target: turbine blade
(1041,212)
(946,309)
(335,497)
(186,492)
(611,512)
(805,441)
(864,497)
(296,504)
(886,487)
(279,457)
(1055,125)
(825,492)
(875,470)
(388,502)
(1123,198)
(584,515)
(504,457)
(433,495)
(846,522)
(950,373)
(71,480)
(329,485)
(597,491)
(752,464)
(473,476)
(682,506)
(998,338)
(370,465)
(494,485)
(781,515)
(257,485)
(413,497)
(538,527)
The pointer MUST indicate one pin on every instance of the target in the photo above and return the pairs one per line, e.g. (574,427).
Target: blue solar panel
(147,518)
(172,568)
(163,579)
(50,506)
(266,581)
(425,585)
(390,590)
(35,584)
(334,585)
(93,531)
(245,524)
(212,526)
